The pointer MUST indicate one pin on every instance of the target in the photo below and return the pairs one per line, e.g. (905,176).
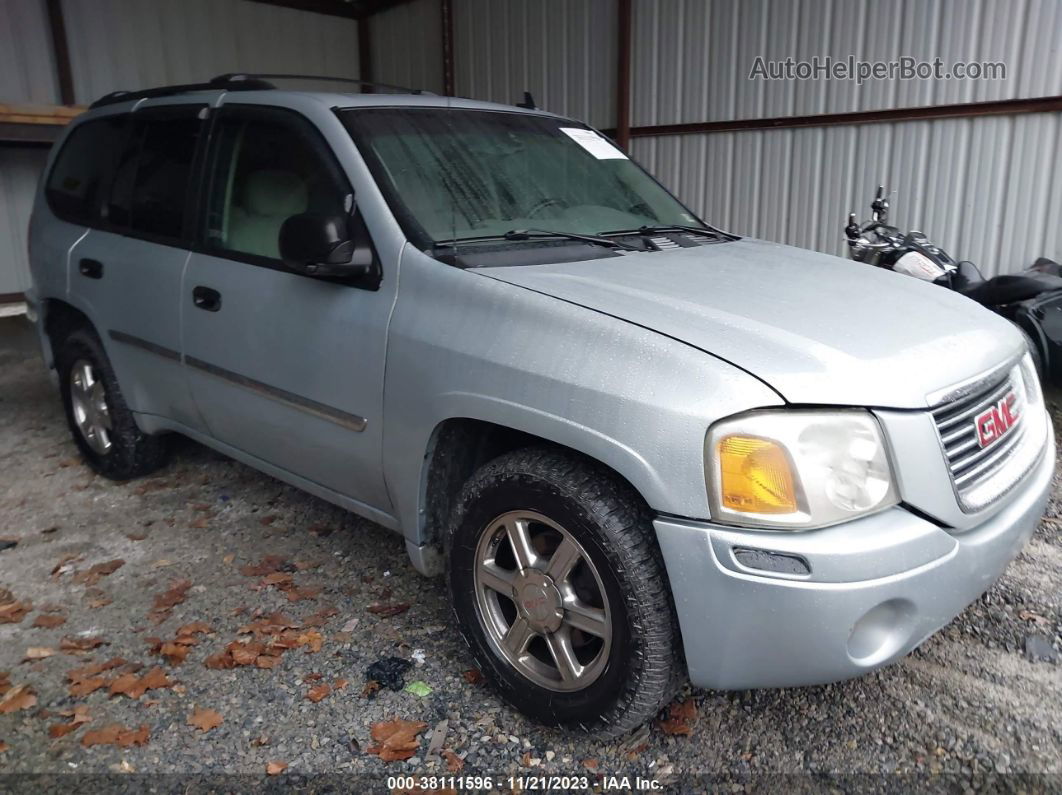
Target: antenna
(529,102)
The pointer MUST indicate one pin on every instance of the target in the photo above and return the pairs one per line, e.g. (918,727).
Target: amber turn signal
(755,476)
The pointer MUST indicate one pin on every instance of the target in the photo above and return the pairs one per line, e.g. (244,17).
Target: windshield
(465,174)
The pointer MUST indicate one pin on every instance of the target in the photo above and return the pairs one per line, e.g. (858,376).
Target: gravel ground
(972,701)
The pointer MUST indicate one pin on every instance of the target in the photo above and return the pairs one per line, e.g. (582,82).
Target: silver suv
(638,446)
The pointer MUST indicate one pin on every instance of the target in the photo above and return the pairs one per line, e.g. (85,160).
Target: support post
(365,54)
(61,52)
(447,9)
(623,76)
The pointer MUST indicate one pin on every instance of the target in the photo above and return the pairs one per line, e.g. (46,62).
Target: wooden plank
(39,114)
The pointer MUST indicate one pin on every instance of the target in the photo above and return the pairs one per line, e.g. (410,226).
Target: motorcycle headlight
(797,469)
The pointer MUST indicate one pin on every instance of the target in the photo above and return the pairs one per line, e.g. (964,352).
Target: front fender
(461,345)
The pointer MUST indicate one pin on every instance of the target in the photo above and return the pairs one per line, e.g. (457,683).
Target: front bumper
(874,590)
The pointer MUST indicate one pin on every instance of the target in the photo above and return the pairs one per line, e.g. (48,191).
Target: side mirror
(322,245)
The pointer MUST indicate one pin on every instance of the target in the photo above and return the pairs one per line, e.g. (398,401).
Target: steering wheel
(543,205)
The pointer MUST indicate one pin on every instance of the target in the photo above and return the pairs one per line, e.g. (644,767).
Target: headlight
(797,469)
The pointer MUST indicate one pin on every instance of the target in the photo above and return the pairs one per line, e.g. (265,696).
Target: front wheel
(559,590)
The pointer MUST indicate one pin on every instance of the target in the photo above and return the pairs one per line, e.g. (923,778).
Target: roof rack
(222,82)
(327,78)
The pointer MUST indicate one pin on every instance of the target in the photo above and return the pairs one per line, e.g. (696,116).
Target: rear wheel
(102,425)
(558,587)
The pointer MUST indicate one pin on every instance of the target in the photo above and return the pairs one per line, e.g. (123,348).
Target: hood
(818,329)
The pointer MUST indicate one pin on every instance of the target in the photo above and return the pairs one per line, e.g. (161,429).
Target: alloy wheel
(89,403)
(542,602)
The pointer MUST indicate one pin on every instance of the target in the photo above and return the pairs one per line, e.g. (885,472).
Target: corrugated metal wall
(692,58)
(19,169)
(131,44)
(562,51)
(407,45)
(27,71)
(988,188)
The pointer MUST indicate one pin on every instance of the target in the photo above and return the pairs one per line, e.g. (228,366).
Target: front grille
(971,464)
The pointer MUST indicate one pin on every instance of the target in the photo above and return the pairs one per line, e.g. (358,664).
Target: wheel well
(60,318)
(457,449)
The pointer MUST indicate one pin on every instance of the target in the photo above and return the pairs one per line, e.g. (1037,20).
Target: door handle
(207,299)
(91,268)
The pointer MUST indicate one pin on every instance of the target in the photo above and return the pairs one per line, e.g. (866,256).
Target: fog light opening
(881,632)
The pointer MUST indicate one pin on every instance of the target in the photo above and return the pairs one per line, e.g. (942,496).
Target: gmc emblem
(993,424)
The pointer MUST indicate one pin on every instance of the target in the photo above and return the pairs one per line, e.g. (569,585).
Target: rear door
(126,271)
(283,367)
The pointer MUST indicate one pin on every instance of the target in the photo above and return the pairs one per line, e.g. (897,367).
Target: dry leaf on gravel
(396,739)
(681,715)
(590,764)
(86,679)
(134,686)
(205,719)
(116,735)
(340,684)
(318,693)
(268,565)
(94,574)
(3,746)
(388,610)
(17,698)
(5,682)
(454,763)
(44,621)
(65,564)
(473,676)
(78,715)
(38,653)
(11,610)
(176,594)
(275,768)
(73,644)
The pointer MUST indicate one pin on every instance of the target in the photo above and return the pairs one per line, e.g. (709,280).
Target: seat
(1012,288)
(267,200)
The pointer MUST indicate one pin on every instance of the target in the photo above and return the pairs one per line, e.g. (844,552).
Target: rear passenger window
(150,189)
(268,165)
(81,177)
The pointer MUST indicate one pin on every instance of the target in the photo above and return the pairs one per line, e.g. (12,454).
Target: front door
(283,367)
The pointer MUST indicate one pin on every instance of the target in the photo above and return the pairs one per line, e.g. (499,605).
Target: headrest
(274,193)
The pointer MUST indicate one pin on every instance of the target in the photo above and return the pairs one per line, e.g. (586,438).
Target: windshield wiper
(527,234)
(530,234)
(653,230)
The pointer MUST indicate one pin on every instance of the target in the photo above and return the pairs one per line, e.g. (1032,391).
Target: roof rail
(234,77)
(223,83)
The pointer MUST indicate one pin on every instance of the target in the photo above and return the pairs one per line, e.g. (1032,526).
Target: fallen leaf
(1029,615)
(275,768)
(259,741)
(388,610)
(74,644)
(136,536)
(681,714)
(313,677)
(267,565)
(202,523)
(78,715)
(3,746)
(14,612)
(419,689)
(318,693)
(17,698)
(205,719)
(116,735)
(268,520)
(38,653)
(65,564)
(48,621)
(396,739)
(134,686)
(454,763)
(340,684)
(370,689)
(473,676)
(201,506)
(173,653)
(176,594)
(94,574)
(228,559)
(590,764)
(162,563)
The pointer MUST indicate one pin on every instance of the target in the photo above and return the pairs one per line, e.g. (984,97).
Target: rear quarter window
(80,179)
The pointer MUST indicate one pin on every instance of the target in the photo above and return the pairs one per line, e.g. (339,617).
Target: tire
(122,451)
(564,498)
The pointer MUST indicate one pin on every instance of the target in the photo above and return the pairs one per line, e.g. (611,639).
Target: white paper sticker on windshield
(593,143)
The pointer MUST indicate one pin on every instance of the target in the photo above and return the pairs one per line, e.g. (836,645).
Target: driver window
(266,167)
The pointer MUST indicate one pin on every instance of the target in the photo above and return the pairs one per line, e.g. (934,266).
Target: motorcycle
(1031,300)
